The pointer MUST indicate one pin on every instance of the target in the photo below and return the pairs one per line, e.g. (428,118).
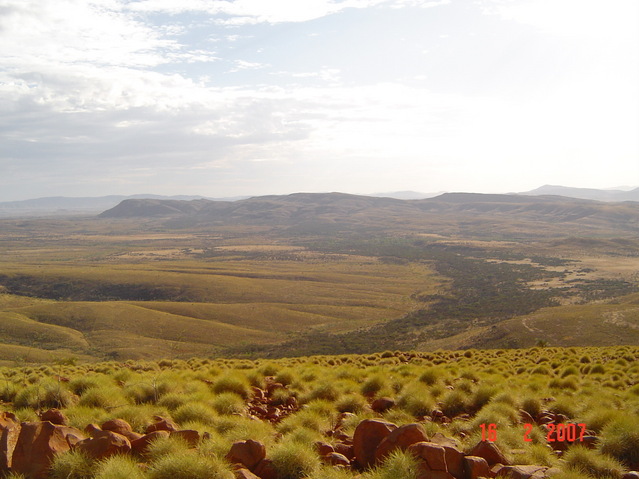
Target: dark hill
(484,215)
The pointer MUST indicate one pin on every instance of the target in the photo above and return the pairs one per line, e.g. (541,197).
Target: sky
(226,98)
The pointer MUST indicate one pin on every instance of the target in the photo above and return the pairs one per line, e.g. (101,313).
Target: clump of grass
(232,383)
(80,416)
(454,403)
(172,401)
(280,396)
(501,414)
(103,397)
(44,394)
(330,472)
(195,412)
(398,465)
(139,417)
(353,403)
(532,406)
(570,371)
(586,461)
(416,400)
(326,391)
(118,467)
(81,383)
(71,465)
(228,403)
(307,418)
(294,460)
(189,466)
(285,376)
(600,416)
(620,439)
(482,396)
(373,385)
(164,446)
(565,406)
(431,376)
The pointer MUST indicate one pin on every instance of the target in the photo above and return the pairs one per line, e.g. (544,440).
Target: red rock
(244,474)
(432,454)
(266,470)
(140,445)
(190,436)
(9,432)
(162,424)
(401,438)
(91,429)
(523,472)
(38,443)
(476,467)
(383,404)
(54,416)
(257,393)
(490,452)
(367,436)
(249,453)
(117,425)
(323,448)
(104,444)
(454,461)
(631,475)
(121,427)
(272,387)
(345,449)
(425,473)
(498,469)
(336,459)
(439,438)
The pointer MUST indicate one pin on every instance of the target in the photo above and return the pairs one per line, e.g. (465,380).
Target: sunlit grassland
(594,386)
(207,303)
(604,323)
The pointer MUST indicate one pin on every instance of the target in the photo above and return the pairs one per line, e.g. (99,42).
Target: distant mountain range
(62,205)
(469,214)
(586,193)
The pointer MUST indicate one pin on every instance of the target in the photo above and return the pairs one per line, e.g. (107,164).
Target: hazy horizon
(248,98)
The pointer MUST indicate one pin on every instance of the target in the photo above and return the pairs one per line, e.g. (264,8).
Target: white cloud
(608,21)
(46,32)
(251,12)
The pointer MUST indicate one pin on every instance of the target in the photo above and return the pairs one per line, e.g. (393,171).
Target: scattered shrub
(228,403)
(232,384)
(71,465)
(398,465)
(293,460)
(195,412)
(189,466)
(118,467)
(373,385)
(620,439)
(453,403)
(586,461)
